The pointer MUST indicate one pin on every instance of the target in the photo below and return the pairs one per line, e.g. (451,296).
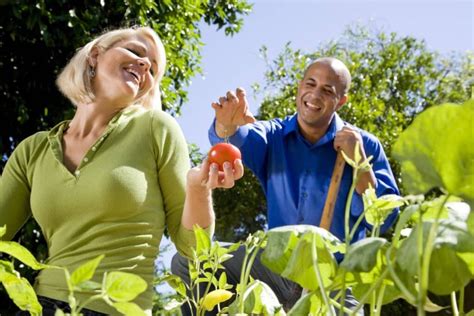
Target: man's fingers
(216,106)
(231,96)
(222,100)
(249,118)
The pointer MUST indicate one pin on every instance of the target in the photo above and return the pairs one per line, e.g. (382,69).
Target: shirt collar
(336,125)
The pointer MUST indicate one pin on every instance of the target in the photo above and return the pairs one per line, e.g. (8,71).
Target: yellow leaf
(215,297)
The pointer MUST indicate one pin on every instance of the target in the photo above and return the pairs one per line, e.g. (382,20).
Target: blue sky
(230,62)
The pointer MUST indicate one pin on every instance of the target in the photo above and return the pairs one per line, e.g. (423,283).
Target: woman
(113,178)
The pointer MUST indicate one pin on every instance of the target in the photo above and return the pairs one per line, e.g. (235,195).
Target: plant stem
(314,255)
(454,304)
(90,299)
(427,256)
(243,284)
(380,300)
(419,247)
(461,302)
(369,291)
(338,306)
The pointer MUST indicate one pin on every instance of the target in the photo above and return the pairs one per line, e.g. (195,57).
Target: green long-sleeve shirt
(129,186)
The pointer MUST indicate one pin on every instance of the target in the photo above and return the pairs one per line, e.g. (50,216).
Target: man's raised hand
(232,111)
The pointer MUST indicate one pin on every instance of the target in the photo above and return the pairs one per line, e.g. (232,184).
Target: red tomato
(223,152)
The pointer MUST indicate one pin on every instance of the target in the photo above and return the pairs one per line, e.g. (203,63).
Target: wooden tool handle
(328,212)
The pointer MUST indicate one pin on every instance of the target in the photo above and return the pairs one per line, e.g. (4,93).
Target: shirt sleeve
(15,192)
(173,164)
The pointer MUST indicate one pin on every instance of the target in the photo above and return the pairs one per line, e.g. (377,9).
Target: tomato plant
(223,152)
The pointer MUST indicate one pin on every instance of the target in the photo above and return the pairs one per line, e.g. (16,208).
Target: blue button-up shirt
(295,174)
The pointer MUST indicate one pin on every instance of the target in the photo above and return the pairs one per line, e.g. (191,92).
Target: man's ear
(93,55)
(342,101)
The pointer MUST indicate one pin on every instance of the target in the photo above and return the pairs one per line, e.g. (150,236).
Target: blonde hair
(74,81)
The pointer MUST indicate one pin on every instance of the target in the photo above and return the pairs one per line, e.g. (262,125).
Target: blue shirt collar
(336,125)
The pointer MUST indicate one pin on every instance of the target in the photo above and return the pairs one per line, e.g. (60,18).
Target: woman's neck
(90,119)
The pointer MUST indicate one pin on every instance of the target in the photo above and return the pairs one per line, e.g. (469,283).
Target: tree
(38,38)
(393,79)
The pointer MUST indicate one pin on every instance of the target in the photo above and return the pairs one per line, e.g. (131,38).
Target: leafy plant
(118,289)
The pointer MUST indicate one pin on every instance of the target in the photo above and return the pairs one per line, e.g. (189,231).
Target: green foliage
(430,158)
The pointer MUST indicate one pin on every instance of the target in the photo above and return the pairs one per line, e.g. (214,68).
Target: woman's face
(126,71)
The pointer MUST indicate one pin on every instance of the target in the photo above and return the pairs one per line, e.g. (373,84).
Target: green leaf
(88,286)
(59,312)
(176,283)
(123,286)
(379,208)
(86,271)
(362,255)
(22,293)
(203,240)
(128,308)
(3,230)
(215,297)
(448,272)
(390,294)
(436,151)
(16,250)
(259,299)
(282,241)
(309,304)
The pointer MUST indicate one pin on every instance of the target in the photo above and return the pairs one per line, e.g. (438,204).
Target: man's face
(319,96)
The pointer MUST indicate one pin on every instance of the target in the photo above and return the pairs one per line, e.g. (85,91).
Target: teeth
(311,105)
(133,72)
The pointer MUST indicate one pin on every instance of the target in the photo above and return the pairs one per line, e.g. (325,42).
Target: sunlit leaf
(86,271)
(362,255)
(436,151)
(16,250)
(259,299)
(128,308)
(215,297)
(22,293)
(123,286)
(309,304)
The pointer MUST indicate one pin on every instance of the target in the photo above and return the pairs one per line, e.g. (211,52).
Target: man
(294,158)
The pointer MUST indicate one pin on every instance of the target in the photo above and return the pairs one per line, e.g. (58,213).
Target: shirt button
(86,159)
(94,148)
(77,173)
(304,195)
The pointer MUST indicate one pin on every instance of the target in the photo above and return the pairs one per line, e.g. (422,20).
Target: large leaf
(85,272)
(437,150)
(21,292)
(282,241)
(258,299)
(16,250)
(448,272)
(362,255)
(123,286)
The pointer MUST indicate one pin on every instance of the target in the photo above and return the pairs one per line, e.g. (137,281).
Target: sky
(231,62)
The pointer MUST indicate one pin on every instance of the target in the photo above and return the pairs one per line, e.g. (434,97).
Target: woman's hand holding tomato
(220,170)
